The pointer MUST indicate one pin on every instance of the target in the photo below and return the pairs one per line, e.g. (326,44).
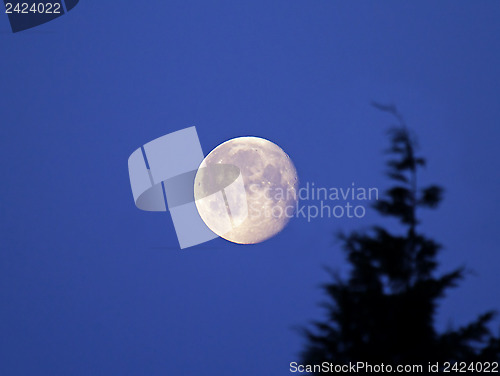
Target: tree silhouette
(384,311)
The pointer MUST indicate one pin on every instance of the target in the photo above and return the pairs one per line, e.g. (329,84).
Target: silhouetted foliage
(384,311)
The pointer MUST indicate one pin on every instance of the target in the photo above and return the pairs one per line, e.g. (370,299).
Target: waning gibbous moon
(246,190)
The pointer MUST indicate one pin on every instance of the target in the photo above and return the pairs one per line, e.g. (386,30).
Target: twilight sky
(91,285)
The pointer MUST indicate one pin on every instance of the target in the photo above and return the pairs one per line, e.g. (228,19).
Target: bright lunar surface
(246,190)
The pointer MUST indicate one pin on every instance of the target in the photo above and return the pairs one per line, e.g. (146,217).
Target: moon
(246,190)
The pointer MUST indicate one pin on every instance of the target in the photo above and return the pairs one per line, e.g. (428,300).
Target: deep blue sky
(91,285)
